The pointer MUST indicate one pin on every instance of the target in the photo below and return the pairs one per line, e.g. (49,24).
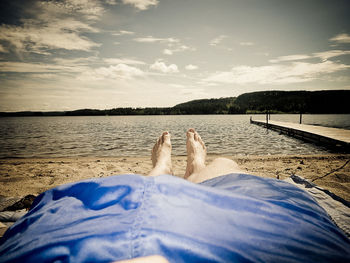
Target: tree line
(326,101)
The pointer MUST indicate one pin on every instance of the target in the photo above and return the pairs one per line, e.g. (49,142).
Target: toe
(166,137)
(201,141)
(190,134)
(196,136)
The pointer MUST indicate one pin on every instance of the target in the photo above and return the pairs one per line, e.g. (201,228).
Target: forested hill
(327,101)
(206,106)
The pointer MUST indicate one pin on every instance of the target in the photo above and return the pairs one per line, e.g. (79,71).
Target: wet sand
(20,177)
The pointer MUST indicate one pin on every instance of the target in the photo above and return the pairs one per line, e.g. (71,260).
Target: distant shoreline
(47,114)
(13,115)
(273,102)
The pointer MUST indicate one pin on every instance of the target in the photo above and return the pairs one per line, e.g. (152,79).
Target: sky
(102,54)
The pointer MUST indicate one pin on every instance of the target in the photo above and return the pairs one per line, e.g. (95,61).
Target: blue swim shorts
(231,218)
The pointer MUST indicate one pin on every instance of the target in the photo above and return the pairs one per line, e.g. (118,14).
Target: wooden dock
(331,137)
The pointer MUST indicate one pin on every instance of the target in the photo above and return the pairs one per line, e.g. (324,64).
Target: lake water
(136,135)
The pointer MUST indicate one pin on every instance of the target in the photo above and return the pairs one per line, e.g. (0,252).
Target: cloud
(168,52)
(2,49)
(86,9)
(321,55)
(141,4)
(79,64)
(296,72)
(119,71)
(55,25)
(123,32)
(331,53)
(111,2)
(216,41)
(180,48)
(151,39)
(36,38)
(46,76)
(174,44)
(341,38)
(290,58)
(162,67)
(21,67)
(246,43)
(184,47)
(191,67)
(126,61)
(58,66)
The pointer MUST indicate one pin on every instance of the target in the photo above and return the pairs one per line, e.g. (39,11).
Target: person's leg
(161,156)
(196,170)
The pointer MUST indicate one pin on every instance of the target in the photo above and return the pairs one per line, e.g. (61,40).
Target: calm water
(135,135)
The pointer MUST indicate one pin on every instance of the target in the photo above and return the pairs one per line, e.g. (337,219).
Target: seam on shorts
(136,242)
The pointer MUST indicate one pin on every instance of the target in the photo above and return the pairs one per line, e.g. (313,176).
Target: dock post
(300,118)
(267,120)
(251,119)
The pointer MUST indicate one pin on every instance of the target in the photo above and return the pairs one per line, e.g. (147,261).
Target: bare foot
(161,156)
(196,153)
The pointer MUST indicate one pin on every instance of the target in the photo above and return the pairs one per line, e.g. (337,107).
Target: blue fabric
(232,218)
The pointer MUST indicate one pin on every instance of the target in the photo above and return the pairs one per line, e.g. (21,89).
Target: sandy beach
(20,177)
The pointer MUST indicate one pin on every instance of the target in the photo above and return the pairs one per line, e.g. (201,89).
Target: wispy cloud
(84,69)
(141,4)
(162,67)
(111,2)
(126,61)
(341,38)
(119,71)
(179,48)
(168,52)
(151,39)
(174,45)
(75,62)
(191,67)
(296,72)
(325,55)
(2,49)
(331,53)
(123,32)
(21,67)
(216,41)
(86,9)
(290,58)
